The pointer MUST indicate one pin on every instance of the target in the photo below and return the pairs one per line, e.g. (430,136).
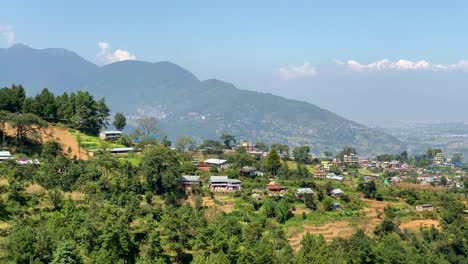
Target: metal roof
(190,178)
(5,154)
(216,161)
(111,132)
(304,190)
(218,179)
(337,191)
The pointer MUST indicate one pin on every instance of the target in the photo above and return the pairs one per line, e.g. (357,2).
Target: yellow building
(439,157)
(325,164)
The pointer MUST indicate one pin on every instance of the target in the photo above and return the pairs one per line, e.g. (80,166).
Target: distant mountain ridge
(187,106)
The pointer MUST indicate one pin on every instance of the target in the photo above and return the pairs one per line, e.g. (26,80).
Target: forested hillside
(188,106)
(135,208)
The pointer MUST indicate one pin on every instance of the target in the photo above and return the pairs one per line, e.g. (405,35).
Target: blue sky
(282,47)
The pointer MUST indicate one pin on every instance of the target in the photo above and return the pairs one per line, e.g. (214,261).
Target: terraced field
(344,229)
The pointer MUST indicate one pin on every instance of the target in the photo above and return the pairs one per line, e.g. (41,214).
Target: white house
(219,163)
(4,155)
(110,134)
(336,193)
(304,191)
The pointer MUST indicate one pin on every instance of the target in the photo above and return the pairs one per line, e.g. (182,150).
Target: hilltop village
(70,188)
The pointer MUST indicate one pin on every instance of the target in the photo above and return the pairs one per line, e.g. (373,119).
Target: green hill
(187,106)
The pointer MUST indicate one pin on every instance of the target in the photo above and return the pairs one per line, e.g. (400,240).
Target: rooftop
(5,154)
(111,132)
(216,161)
(304,190)
(190,178)
(337,191)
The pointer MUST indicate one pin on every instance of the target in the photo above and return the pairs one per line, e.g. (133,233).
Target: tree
(301,154)
(51,149)
(369,189)
(148,124)
(4,117)
(273,162)
(346,151)
(457,157)
(66,254)
(184,143)
(24,124)
(11,99)
(119,121)
(44,105)
(160,165)
(227,139)
(282,211)
(328,204)
(282,149)
(89,116)
(56,198)
(262,146)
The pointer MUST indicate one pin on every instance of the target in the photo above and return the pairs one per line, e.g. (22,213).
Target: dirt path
(62,136)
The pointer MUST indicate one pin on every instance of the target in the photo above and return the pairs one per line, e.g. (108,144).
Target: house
(424,207)
(5,155)
(121,150)
(251,171)
(333,176)
(325,164)
(224,184)
(189,182)
(370,177)
(320,173)
(351,159)
(336,193)
(276,190)
(439,158)
(110,135)
(248,146)
(202,166)
(24,161)
(218,163)
(304,191)
(336,206)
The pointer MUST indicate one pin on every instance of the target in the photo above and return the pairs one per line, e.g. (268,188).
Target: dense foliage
(79,110)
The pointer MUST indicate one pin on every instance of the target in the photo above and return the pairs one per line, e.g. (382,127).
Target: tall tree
(11,99)
(301,154)
(148,124)
(273,162)
(25,124)
(227,140)
(160,165)
(66,254)
(184,143)
(89,116)
(457,157)
(119,121)
(262,146)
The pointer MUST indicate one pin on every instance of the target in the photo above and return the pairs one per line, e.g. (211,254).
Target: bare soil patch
(62,136)
(419,187)
(34,188)
(416,224)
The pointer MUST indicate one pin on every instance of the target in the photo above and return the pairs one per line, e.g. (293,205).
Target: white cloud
(7,34)
(106,55)
(402,65)
(289,72)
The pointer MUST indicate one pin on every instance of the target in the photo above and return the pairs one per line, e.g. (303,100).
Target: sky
(371,61)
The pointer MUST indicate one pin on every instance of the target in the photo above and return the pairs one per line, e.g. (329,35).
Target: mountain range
(186,105)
